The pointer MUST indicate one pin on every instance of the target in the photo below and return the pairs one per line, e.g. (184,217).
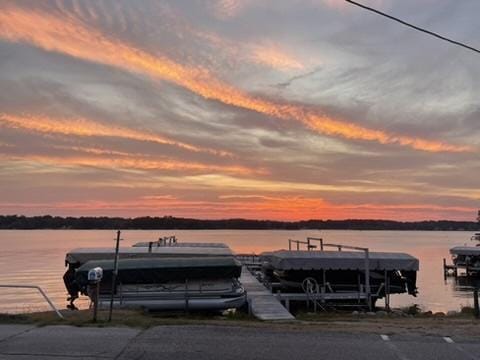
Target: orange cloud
(70,36)
(301,208)
(92,150)
(113,161)
(282,208)
(271,55)
(85,127)
(224,9)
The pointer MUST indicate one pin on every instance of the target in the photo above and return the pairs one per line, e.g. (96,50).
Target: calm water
(37,257)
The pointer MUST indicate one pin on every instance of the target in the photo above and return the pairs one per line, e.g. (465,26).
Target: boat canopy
(465,250)
(83,255)
(160,270)
(341,260)
(183,244)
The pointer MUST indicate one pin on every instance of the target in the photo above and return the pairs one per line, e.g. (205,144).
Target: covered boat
(160,277)
(475,237)
(467,257)
(169,283)
(342,271)
(78,257)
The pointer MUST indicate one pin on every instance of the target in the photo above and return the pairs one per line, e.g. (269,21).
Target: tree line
(169,222)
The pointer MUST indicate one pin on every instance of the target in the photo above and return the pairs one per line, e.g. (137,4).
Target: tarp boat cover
(341,260)
(197,283)
(465,250)
(163,270)
(183,244)
(82,255)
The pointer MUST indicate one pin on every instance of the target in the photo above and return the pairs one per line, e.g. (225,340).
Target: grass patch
(13,319)
(125,317)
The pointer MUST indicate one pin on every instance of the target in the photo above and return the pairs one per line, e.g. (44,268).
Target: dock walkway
(263,304)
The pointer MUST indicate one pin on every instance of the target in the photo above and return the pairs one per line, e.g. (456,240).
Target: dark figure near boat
(71,286)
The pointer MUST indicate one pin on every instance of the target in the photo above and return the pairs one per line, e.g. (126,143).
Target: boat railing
(308,242)
(40,290)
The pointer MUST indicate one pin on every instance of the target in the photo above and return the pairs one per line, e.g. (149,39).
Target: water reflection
(463,285)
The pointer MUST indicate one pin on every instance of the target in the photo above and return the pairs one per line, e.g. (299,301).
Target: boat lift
(319,295)
(314,293)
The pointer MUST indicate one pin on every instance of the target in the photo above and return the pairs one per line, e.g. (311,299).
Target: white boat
(466,257)
(476,237)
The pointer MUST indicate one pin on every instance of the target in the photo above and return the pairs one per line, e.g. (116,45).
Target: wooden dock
(262,303)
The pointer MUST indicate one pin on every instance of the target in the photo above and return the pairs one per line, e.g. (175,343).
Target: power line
(414,27)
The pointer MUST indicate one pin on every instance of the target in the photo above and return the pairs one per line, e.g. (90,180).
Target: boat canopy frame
(310,247)
(318,257)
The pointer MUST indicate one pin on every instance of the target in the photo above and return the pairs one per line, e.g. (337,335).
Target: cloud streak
(282,208)
(273,56)
(72,37)
(115,161)
(88,128)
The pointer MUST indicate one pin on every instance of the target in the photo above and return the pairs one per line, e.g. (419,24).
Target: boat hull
(176,303)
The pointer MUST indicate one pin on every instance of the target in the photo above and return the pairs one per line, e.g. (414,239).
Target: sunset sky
(279,109)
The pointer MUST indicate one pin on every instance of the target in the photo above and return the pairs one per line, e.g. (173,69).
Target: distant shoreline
(47,222)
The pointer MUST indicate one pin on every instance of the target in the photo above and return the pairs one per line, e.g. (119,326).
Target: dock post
(114,275)
(444,269)
(367,279)
(387,292)
(475,303)
(186,297)
(95,301)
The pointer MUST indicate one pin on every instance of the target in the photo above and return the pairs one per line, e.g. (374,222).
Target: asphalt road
(21,342)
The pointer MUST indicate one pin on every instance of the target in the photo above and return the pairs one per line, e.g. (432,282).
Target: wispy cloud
(272,55)
(73,38)
(225,9)
(116,161)
(88,128)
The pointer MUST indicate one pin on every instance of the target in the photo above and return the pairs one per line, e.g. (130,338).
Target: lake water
(37,257)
